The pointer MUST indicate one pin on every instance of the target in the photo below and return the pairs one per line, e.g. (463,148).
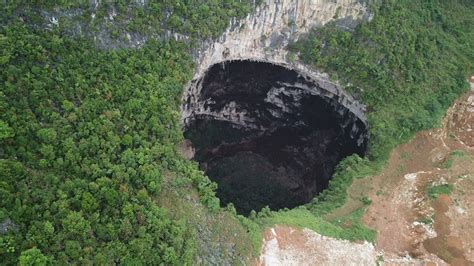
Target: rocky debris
(461,123)
(7,225)
(186,149)
(284,245)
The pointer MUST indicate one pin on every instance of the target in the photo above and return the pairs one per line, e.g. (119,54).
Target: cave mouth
(267,135)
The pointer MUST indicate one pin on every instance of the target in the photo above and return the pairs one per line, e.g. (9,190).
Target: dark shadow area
(267,137)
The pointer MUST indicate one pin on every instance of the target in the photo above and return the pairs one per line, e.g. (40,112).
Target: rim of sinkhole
(269,135)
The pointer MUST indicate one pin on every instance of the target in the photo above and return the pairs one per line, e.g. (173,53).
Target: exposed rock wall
(262,131)
(263,36)
(264,96)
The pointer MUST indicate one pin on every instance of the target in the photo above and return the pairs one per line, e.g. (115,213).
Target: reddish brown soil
(446,246)
(401,210)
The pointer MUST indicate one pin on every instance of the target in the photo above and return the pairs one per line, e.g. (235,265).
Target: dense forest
(196,20)
(87,135)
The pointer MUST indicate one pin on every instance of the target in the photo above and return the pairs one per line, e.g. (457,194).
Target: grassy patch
(434,191)
(301,218)
(336,194)
(297,218)
(366,200)
(458,153)
(427,220)
(353,228)
(447,164)
(454,155)
(349,227)
(405,155)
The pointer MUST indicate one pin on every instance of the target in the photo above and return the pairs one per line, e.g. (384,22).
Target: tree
(33,256)
(76,226)
(47,135)
(5,131)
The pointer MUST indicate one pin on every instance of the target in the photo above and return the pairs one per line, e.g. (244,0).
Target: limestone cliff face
(263,36)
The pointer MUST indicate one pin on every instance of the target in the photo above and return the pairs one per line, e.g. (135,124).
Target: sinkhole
(269,135)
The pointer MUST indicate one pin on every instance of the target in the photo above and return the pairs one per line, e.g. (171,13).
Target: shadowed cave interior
(268,135)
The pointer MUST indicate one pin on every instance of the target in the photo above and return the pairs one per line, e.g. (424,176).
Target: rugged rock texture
(264,96)
(291,246)
(263,36)
(7,225)
(219,87)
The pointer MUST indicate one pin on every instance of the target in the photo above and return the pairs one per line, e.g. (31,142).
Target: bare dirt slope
(415,225)
(289,246)
(410,221)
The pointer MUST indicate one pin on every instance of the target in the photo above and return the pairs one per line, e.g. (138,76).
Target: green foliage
(349,227)
(428,220)
(354,228)
(447,164)
(434,191)
(458,153)
(33,257)
(5,131)
(335,195)
(47,135)
(254,231)
(301,218)
(205,187)
(366,200)
(86,136)
(380,260)
(407,65)
(198,20)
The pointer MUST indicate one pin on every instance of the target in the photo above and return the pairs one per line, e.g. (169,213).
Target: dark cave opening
(268,135)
